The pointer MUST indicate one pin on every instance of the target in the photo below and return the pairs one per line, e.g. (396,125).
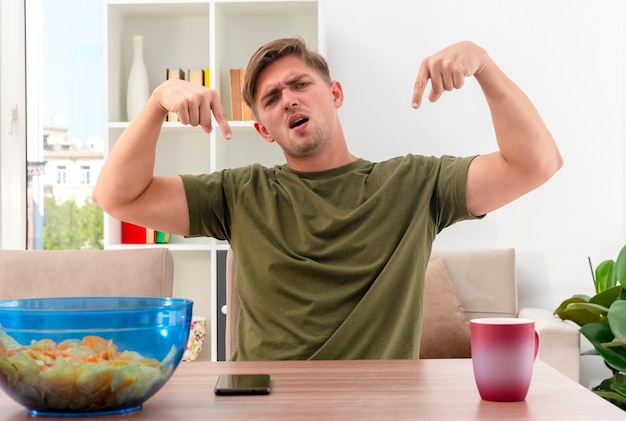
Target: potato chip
(80,374)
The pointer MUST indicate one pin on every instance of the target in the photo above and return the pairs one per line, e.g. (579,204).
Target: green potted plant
(602,320)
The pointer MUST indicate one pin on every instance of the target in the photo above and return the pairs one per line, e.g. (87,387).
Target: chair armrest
(559,341)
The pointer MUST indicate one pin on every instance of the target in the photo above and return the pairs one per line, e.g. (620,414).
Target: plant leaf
(605,276)
(599,333)
(614,342)
(617,319)
(619,385)
(584,313)
(590,307)
(607,297)
(620,267)
(606,386)
(606,390)
(560,311)
(610,395)
(619,388)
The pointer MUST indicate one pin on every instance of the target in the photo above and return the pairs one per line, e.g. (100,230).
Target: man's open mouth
(298,122)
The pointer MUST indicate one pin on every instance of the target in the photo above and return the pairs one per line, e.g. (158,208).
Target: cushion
(446,328)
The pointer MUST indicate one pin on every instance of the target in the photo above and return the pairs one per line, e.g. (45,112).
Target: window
(84,174)
(61,174)
(64,61)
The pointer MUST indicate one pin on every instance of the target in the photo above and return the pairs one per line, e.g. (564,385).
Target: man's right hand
(193,104)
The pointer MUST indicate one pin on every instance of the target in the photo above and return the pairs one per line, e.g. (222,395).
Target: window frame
(13,129)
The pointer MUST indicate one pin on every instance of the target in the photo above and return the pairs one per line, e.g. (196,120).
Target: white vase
(138,90)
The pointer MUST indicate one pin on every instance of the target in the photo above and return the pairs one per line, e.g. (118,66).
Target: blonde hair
(274,51)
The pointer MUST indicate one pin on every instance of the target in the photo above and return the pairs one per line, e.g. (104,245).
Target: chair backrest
(64,273)
(485,280)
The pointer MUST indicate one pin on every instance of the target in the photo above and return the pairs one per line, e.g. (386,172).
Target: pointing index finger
(222,121)
(221,118)
(420,86)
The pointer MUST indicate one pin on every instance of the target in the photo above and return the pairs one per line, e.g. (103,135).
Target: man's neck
(321,162)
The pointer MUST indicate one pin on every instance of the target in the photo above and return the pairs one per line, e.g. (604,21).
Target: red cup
(503,353)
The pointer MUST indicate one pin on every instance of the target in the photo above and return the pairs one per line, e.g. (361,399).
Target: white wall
(567,55)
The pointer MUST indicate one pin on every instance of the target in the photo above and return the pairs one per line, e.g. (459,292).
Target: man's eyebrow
(269,94)
(293,80)
(297,78)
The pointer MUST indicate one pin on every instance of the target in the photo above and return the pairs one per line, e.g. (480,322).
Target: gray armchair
(64,273)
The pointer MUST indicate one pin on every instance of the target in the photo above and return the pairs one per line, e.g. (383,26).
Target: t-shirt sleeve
(451,201)
(207,205)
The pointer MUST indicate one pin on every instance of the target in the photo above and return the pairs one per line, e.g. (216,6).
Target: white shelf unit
(195,34)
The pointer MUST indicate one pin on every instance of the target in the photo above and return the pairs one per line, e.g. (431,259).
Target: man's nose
(289,100)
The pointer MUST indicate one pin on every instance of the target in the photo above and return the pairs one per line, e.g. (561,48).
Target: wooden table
(357,390)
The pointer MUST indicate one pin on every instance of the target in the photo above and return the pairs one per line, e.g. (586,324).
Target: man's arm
(527,155)
(127,188)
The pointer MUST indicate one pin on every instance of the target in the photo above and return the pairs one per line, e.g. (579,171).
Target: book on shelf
(207,77)
(136,234)
(236,107)
(196,76)
(239,110)
(247,111)
(161,237)
(174,74)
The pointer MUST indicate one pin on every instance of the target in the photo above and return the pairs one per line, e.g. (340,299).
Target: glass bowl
(83,356)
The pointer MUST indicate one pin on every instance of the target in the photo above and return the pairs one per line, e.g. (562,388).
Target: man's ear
(337,92)
(263,131)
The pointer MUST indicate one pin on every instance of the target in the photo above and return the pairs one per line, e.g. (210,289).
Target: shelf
(267,8)
(160,8)
(222,245)
(173,247)
(196,34)
(177,126)
(176,243)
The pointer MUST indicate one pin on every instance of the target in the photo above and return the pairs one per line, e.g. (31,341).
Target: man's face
(296,108)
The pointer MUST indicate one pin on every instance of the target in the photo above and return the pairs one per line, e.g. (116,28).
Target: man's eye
(271,101)
(301,85)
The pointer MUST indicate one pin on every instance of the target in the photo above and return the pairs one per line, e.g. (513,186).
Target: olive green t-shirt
(331,264)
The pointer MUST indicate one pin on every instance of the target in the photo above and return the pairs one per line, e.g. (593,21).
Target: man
(331,248)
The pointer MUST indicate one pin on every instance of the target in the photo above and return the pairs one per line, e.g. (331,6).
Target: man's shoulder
(418,160)
(252,171)
(408,160)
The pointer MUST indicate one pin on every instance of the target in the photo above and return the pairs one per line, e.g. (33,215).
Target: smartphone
(243,384)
